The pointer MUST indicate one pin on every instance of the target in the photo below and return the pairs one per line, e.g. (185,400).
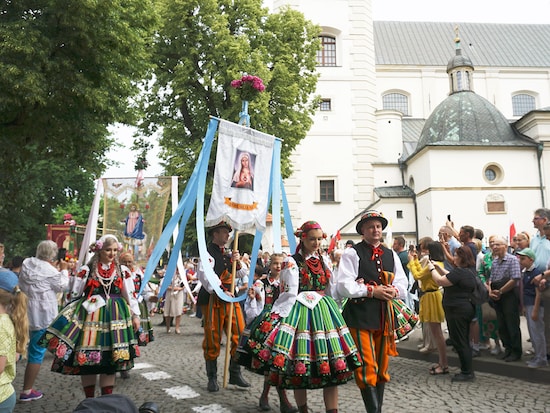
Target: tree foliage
(205,44)
(68,69)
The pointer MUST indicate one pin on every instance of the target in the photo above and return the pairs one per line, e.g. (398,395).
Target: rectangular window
(399,214)
(327,55)
(325,105)
(326,190)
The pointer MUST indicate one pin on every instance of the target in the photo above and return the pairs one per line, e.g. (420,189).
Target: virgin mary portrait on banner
(243,175)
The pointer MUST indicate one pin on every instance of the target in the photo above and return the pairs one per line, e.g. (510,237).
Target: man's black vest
(367,313)
(221,263)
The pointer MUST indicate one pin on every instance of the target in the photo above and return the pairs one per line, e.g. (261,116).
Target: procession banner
(241,187)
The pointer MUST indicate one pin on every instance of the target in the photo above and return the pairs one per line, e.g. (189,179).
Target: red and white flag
(512,231)
(334,242)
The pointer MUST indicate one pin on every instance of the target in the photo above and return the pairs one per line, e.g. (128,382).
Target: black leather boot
(235,376)
(370,399)
(212,373)
(380,391)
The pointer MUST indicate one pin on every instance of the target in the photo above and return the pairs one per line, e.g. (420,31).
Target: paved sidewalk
(486,362)
(171,372)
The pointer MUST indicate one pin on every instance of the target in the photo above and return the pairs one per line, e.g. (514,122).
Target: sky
(461,11)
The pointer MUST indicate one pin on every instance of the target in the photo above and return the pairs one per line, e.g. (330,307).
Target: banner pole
(228,332)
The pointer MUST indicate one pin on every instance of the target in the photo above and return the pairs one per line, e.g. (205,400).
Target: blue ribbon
(195,191)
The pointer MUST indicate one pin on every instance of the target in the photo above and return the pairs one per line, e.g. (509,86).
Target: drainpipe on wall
(402,167)
(540,148)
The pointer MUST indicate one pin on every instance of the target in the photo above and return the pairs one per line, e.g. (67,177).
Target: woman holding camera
(173,303)
(458,284)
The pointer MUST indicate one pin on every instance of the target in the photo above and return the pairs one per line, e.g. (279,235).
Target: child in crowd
(14,335)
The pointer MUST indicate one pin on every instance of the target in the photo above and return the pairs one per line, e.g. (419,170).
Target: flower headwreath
(98,245)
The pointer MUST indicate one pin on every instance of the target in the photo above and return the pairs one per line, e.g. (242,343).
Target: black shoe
(512,357)
(475,353)
(125,374)
(507,353)
(149,407)
(212,385)
(463,377)
(448,342)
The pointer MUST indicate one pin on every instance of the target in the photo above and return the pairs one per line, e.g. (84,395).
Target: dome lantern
(460,70)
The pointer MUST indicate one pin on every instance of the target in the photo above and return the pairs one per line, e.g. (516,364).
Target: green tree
(205,44)
(68,69)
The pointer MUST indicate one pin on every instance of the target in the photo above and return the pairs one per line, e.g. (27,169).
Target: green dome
(467,118)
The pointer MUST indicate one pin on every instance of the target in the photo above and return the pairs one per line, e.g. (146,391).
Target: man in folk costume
(371,275)
(216,311)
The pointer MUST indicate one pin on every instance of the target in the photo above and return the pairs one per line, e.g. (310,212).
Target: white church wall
(389,132)
(453,182)
(429,86)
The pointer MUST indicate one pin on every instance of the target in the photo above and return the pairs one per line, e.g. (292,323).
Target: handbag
(488,313)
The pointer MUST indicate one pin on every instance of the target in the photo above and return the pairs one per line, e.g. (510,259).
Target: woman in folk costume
(96,333)
(145,335)
(304,341)
(261,297)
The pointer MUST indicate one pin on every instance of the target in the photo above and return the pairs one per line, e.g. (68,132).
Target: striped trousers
(216,319)
(375,350)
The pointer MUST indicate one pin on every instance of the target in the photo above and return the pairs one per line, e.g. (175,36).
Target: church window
(325,105)
(522,103)
(327,55)
(396,101)
(326,190)
(492,173)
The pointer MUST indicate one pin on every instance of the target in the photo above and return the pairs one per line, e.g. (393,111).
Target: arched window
(522,103)
(396,101)
(327,55)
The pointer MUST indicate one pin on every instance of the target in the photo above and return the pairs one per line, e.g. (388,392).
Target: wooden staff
(228,332)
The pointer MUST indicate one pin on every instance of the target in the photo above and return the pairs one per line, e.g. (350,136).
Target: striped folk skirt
(101,342)
(308,349)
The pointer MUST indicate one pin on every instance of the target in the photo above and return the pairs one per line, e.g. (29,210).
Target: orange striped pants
(375,350)
(216,319)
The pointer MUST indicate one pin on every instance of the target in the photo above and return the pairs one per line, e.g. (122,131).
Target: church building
(421,120)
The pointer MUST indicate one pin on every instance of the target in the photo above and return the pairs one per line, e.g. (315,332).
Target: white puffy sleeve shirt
(206,283)
(348,271)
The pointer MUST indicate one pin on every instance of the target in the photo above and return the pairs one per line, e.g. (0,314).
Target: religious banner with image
(241,178)
(134,212)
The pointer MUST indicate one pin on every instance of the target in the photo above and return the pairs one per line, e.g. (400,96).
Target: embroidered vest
(368,313)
